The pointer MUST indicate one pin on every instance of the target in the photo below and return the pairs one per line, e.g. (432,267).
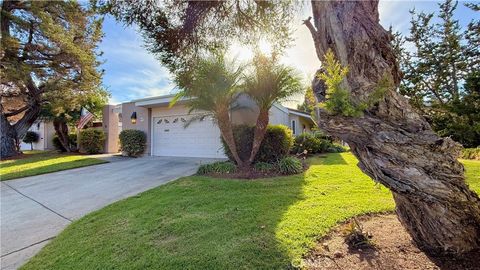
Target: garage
(200,139)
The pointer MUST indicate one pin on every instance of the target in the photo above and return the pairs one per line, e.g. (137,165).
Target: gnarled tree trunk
(394,144)
(61,129)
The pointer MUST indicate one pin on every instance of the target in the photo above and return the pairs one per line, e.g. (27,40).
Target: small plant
(290,165)
(338,99)
(356,237)
(335,148)
(31,137)
(471,153)
(223,167)
(91,140)
(133,142)
(264,167)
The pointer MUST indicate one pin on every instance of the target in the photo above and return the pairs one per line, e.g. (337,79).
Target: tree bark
(225,126)
(393,143)
(61,129)
(8,146)
(258,134)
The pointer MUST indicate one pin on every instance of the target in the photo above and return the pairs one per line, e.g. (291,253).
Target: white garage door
(200,139)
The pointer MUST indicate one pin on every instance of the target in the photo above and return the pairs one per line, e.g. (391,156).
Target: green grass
(205,223)
(40,162)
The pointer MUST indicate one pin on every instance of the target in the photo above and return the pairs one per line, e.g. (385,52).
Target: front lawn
(40,162)
(204,223)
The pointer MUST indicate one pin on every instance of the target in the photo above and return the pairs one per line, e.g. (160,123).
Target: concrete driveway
(35,209)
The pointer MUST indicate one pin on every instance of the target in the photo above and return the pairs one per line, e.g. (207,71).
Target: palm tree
(212,85)
(268,83)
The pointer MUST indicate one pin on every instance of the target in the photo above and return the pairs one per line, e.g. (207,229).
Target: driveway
(35,209)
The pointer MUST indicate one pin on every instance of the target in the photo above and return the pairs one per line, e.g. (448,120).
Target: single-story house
(166,131)
(46,132)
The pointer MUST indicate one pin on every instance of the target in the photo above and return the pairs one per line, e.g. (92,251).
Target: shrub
(277,143)
(290,165)
(72,139)
(133,142)
(217,167)
(471,153)
(91,140)
(307,142)
(31,137)
(264,167)
(335,148)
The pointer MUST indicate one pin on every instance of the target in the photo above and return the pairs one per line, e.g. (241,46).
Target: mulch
(391,248)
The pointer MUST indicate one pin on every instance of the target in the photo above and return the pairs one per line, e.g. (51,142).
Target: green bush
(91,140)
(133,142)
(471,153)
(290,165)
(31,137)
(277,143)
(72,139)
(264,167)
(335,148)
(217,167)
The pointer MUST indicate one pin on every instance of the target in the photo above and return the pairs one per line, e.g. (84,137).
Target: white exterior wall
(45,131)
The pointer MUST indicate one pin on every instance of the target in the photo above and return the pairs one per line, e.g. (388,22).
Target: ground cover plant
(41,162)
(201,222)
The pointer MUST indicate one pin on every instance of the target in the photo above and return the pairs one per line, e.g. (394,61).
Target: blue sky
(131,72)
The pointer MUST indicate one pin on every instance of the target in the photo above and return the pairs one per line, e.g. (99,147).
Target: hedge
(133,142)
(91,140)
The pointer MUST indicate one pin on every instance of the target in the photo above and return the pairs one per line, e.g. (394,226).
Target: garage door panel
(199,139)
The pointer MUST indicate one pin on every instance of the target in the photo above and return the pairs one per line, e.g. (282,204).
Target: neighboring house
(45,131)
(165,127)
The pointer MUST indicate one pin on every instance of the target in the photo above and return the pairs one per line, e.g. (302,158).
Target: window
(294,125)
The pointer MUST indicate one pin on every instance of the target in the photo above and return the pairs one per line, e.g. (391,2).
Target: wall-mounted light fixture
(133,118)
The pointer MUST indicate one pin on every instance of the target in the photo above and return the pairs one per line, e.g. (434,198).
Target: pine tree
(48,56)
(444,57)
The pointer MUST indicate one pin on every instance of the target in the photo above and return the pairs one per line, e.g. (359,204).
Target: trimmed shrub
(31,137)
(72,139)
(91,140)
(133,142)
(471,153)
(290,165)
(277,143)
(217,167)
(264,167)
(336,148)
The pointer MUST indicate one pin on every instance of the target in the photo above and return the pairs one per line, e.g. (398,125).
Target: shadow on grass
(61,166)
(193,223)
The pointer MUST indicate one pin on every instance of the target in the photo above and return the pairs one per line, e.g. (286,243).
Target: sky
(131,72)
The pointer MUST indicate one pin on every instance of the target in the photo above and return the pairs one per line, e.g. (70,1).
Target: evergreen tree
(435,72)
(48,56)
(309,101)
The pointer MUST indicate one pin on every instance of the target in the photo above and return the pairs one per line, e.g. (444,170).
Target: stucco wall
(110,127)
(143,120)
(45,131)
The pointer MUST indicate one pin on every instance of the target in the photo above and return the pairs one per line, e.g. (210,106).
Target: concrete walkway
(35,209)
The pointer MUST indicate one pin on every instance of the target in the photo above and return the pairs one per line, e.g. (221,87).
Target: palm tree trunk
(394,144)
(259,134)
(226,130)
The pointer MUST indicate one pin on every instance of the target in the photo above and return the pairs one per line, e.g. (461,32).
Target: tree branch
(15,112)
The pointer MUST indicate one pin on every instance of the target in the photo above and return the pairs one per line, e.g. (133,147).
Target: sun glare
(245,53)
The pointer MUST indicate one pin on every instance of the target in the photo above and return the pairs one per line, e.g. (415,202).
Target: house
(45,131)
(166,131)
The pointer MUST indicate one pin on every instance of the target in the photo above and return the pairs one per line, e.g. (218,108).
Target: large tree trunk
(259,134)
(394,144)
(61,129)
(8,147)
